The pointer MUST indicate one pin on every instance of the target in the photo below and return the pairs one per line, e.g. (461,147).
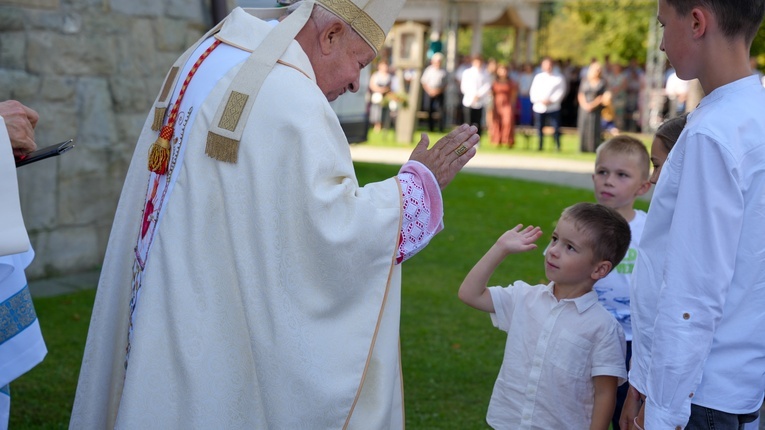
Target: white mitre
(372,19)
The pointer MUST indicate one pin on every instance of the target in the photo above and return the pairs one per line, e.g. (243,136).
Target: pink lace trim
(422,209)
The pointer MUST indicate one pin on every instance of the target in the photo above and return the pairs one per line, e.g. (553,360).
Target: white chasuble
(267,294)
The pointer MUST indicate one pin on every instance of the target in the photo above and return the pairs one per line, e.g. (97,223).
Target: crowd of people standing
(599,99)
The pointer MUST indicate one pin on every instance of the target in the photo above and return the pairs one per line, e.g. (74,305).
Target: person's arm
(474,291)
(697,276)
(583,101)
(596,102)
(631,408)
(534,95)
(20,122)
(605,401)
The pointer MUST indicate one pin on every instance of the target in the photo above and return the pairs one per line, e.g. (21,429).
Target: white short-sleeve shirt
(553,351)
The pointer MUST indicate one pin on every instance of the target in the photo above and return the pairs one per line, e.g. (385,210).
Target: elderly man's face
(339,71)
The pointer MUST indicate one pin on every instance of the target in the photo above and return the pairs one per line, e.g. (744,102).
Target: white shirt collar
(582,302)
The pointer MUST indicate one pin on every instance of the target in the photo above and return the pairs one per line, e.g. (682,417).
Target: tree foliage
(496,42)
(583,29)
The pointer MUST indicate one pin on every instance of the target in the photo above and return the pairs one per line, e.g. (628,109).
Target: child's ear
(602,268)
(643,188)
(699,21)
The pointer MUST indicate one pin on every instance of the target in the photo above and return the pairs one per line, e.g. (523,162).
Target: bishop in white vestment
(249,280)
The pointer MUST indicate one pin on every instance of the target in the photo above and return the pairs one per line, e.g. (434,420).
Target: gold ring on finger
(461,150)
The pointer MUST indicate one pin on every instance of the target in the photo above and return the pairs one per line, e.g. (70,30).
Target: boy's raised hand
(519,239)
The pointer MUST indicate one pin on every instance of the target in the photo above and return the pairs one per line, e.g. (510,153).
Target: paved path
(64,284)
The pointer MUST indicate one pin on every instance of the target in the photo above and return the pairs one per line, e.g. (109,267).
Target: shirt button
(686,316)
(690,396)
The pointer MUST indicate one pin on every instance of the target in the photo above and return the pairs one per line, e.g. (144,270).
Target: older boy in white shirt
(547,91)
(699,288)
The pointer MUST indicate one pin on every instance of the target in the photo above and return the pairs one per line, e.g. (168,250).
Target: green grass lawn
(451,353)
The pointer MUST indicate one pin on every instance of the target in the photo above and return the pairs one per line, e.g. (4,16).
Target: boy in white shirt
(622,167)
(699,285)
(564,356)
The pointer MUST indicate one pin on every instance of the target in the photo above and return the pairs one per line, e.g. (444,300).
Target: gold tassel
(159,116)
(159,153)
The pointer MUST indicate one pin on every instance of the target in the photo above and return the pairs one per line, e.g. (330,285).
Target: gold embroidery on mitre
(358,20)
(222,148)
(233,111)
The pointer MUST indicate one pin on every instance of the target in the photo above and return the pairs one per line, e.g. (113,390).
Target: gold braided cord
(358,20)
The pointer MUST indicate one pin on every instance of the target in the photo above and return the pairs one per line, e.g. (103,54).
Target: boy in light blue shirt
(621,175)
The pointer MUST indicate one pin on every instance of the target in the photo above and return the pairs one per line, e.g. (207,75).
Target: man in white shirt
(546,92)
(475,86)
(433,82)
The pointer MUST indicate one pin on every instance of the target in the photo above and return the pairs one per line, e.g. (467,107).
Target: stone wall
(91,69)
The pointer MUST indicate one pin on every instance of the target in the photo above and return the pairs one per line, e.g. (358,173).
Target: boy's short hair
(669,131)
(735,18)
(629,146)
(609,233)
